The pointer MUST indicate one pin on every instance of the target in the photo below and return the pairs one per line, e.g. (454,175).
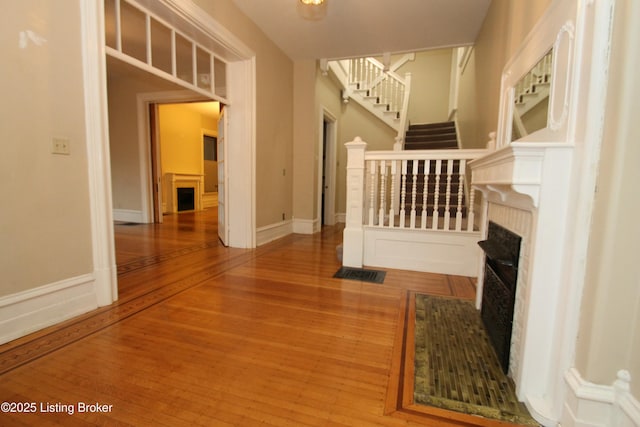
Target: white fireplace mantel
(533,177)
(518,172)
(173,181)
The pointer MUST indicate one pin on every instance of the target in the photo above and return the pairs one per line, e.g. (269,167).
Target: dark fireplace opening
(502,250)
(186,199)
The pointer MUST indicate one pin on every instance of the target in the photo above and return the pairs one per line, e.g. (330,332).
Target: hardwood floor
(206,335)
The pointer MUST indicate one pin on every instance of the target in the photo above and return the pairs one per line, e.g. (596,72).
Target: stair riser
(427,138)
(427,132)
(432,125)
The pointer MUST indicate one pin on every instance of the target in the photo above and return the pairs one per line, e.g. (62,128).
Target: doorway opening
(131,159)
(327,168)
(183,151)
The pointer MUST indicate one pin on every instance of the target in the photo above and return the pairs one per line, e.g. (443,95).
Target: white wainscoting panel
(431,251)
(34,309)
(595,405)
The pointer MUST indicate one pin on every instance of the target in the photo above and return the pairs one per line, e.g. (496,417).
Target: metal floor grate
(361,274)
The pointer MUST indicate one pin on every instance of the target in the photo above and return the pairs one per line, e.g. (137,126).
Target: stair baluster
(392,213)
(414,188)
(461,173)
(403,193)
(447,197)
(372,191)
(383,188)
(425,193)
(471,210)
(436,195)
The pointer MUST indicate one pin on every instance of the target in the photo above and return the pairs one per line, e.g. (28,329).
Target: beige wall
(45,233)
(467,115)
(430,80)
(180,129)
(506,25)
(356,121)
(274,113)
(123,139)
(609,337)
(353,120)
(305,142)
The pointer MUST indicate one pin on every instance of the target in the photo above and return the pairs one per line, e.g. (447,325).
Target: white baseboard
(272,232)
(34,309)
(128,215)
(341,217)
(306,226)
(595,405)
(209,200)
(441,252)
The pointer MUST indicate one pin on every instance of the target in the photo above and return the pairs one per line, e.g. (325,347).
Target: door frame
(241,86)
(145,146)
(327,167)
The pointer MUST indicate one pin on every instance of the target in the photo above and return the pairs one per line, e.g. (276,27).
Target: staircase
(376,87)
(433,136)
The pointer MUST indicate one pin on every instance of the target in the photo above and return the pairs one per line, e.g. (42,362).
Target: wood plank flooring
(211,336)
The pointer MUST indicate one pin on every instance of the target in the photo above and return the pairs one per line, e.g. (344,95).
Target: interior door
(156,184)
(223,229)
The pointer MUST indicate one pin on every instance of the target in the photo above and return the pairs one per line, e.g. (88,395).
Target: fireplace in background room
(502,252)
(186,199)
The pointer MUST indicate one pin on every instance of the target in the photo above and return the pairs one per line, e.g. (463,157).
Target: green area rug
(455,366)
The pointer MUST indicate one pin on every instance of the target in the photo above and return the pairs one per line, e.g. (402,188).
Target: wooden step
(449,136)
(428,132)
(432,125)
(431,136)
(431,145)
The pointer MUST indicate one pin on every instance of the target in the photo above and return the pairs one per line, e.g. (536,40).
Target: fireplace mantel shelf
(519,170)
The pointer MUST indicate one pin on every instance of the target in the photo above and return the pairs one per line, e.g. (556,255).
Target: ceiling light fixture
(312,10)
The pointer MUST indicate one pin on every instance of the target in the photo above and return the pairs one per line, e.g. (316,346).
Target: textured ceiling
(351,28)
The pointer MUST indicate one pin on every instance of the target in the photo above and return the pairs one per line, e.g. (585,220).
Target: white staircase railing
(390,190)
(387,86)
(377,88)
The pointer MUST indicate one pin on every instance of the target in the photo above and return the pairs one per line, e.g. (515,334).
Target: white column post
(353,235)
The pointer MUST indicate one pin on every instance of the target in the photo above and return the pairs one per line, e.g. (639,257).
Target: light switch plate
(61,146)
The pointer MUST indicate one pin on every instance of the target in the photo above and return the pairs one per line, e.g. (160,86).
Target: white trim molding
(596,405)
(306,226)
(98,155)
(128,215)
(272,232)
(34,309)
(450,252)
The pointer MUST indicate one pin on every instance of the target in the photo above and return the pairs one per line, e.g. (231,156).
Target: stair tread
(430,146)
(432,125)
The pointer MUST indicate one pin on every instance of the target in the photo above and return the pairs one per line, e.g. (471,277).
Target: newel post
(353,235)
